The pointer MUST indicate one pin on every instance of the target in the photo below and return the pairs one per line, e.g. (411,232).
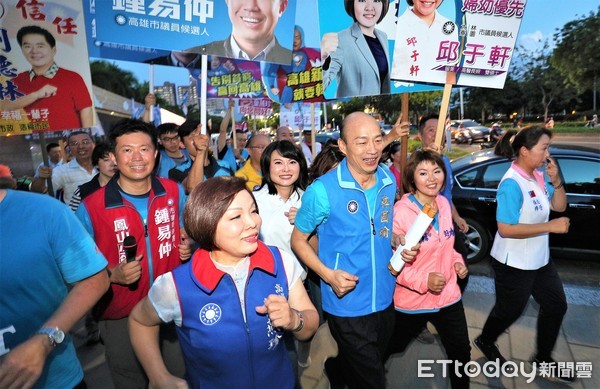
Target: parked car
(468,131)
(477,175)
(323,137)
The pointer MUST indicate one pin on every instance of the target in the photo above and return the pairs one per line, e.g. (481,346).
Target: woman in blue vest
(231,302)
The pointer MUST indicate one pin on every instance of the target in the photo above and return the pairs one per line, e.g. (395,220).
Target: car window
(581,176)
(493,174)
(468,179)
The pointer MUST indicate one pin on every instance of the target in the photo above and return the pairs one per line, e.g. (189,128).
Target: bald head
(356,119)
(284,133)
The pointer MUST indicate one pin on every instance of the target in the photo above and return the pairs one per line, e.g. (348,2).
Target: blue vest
(167,163)
(221,349)
(357,239)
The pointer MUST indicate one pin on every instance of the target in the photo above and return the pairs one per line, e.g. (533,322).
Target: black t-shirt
(379,55)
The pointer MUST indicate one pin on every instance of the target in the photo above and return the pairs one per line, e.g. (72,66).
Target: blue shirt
(510,201)
(44,247)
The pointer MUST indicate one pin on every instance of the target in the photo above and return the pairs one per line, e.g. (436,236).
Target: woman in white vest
(522,264)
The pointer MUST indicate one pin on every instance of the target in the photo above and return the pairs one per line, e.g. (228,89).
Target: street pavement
(579,342)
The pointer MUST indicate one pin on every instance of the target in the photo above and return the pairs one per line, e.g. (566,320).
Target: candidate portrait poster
(302,80)
(459,42)
(298,115)
(211,27)
(45,78)
(350,68)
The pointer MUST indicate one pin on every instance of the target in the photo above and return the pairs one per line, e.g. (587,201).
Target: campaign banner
(349,64)
(111,50)
(45,80)
(298,115)
(460,42)
(231,78)
(257,31)
(255,107)
(302,80)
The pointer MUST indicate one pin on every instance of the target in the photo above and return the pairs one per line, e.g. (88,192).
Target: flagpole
(151,90)
(203,113)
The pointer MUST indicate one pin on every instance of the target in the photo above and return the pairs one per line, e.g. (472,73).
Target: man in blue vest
(351,209)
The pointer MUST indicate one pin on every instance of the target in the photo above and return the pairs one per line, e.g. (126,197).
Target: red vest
(113,218)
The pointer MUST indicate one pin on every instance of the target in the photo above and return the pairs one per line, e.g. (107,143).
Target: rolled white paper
(413,236)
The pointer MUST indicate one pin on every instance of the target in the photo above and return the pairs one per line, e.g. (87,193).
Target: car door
(582,182)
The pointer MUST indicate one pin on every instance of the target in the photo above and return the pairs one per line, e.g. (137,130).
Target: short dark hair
(416,157)
(425,118)
(51,145)
(167,128)
(187,128)
(207,204)
(349,6)
(287,150)
(101,151)
(528,137)
(79,132)
(27,30)
(128,126)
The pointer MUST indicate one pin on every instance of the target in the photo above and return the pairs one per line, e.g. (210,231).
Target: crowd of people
(210,268)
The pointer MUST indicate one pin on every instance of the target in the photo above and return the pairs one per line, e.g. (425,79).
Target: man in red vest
(137,203)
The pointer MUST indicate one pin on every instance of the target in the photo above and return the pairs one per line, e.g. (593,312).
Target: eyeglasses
(167,139)
(84,142)
(260,147)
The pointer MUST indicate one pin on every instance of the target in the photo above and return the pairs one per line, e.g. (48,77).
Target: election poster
(298,115)
(254,31)
(302,80)
(45,81)
(231,78)
(458,42)
(118,51)
(357,55)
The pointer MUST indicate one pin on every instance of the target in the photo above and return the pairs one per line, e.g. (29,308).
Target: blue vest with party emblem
(356,238)
(220,348)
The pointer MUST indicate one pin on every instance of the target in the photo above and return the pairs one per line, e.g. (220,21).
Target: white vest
(526,253)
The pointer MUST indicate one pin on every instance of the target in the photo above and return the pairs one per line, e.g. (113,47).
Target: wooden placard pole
(404,139)
(233,132)
(312,131)
(442,118)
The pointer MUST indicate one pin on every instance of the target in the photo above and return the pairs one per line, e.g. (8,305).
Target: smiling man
(137,203)
(252,36)
(46,86)
(351,208)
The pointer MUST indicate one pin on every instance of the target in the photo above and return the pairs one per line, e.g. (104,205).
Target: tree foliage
(577,52)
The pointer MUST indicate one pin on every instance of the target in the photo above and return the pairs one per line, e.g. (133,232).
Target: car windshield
(470,123)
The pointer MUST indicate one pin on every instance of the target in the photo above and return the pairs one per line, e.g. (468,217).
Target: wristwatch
(55,334)
(301,323)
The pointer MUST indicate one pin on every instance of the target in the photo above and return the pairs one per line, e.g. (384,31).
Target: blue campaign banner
(302,80)
(252,30)
(111,50)
(350,68)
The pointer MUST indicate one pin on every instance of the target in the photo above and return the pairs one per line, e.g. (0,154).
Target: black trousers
(513,288)
(362,343)
(450,323)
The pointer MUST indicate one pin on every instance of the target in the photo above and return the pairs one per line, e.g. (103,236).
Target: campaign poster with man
(458,42)
(242,29)
(302,80)
(45,79)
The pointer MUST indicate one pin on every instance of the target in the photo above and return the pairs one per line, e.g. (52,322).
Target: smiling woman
(231,270)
